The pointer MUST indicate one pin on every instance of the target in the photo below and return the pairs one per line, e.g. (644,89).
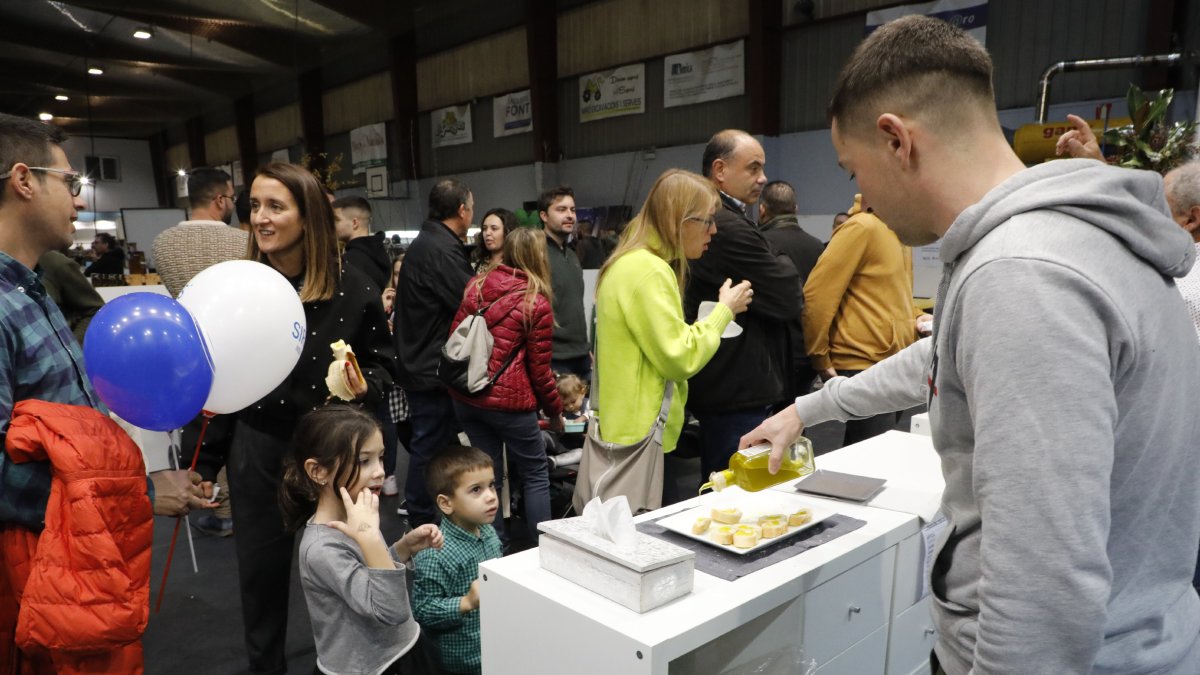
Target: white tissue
(611,520)
(706,308)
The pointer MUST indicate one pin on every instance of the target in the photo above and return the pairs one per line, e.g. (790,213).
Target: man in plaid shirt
(39,358)
(445,598)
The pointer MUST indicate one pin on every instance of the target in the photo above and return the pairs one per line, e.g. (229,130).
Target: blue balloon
(147,360)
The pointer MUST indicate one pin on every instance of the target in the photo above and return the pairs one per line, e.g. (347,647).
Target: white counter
(835,600)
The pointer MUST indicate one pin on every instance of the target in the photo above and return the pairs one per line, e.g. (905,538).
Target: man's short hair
(445,197)
(204,184)
(720,146)
(552,195)
(28,141)
(779,198)
(355,204)
(1184,189)
(915,64)
(447,466)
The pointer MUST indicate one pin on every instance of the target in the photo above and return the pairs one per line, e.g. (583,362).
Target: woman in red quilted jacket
(504,415)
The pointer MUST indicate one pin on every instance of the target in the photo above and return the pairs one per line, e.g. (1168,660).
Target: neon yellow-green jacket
(642,341)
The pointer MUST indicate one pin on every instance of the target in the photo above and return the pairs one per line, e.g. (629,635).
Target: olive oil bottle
(748,468)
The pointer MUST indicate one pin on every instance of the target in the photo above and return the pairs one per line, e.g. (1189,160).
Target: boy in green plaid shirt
(445,598)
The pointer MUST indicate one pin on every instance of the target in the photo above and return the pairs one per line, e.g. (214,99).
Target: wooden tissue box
(652,574)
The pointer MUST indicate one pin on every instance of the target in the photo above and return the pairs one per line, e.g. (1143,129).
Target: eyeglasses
(73,179)
(708,222)
(231,198)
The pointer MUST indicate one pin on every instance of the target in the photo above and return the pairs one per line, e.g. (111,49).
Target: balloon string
(162,586)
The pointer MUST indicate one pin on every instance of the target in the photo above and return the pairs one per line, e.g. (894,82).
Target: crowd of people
(1066,444)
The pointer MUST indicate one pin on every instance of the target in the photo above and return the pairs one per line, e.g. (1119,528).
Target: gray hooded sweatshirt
(1062,381)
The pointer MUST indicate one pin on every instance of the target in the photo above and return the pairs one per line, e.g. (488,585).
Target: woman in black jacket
(293,232)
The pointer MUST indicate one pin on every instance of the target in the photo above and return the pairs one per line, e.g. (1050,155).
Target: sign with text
(451,125)
(706,75)
(612,93)
(512,114)
(368,147)
(969,15)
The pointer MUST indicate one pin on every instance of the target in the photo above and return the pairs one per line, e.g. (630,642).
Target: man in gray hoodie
(1061,377)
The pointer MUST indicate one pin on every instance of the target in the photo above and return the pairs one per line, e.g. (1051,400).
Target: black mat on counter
(731,566)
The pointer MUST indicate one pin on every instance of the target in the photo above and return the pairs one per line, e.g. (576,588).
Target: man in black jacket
(778,223)
(749,373)
(430,289)
(364,252)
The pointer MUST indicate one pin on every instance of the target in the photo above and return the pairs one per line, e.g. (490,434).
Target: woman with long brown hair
(517,297)
(293,233)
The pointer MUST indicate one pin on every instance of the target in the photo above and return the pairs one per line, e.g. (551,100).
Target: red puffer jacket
(86,598)
(527,383)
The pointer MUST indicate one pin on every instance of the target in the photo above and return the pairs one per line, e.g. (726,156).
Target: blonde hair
(676,196)
(525,249)
(322,269)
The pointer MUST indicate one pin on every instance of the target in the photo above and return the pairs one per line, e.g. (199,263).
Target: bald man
(751,372)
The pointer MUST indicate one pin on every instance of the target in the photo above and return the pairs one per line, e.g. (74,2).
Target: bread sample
(774,528)
(727,516)
(800,517)
(335,377)
(745,536)
(722,534)
(701,525)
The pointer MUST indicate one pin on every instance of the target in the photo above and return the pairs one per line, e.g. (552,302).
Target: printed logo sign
(512,114)
(452,125)
(368,147)
(969,15)
(613,93)
(706,75)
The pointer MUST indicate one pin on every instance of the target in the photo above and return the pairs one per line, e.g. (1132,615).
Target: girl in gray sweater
(354,583)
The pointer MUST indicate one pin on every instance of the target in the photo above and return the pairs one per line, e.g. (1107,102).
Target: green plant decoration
(324,168)
(1151,142)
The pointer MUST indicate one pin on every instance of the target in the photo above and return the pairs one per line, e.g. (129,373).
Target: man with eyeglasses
(40,360)
(750,372)
(180,253)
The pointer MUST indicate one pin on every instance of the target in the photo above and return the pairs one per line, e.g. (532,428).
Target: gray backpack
(464,360)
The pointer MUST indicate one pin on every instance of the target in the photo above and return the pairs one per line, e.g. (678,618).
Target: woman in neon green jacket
(642,339)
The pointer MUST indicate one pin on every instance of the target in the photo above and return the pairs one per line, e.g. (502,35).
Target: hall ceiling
(203,54)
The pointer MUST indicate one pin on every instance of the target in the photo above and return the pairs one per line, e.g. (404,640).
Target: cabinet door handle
(854,609)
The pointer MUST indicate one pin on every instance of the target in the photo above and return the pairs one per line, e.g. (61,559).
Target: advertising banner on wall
(969,15)
(452,125)
(368,147)
(706,75)
(613,93)
(512,114)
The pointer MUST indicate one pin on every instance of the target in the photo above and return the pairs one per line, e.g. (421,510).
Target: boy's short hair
(913,65)
(447,467)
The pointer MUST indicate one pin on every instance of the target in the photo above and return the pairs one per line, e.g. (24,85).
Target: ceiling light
(143,33)
(45,117)
(85,180)
(95,71)
(182,172)
(61,97)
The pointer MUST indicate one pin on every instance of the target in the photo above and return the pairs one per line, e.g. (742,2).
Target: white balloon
(253,324)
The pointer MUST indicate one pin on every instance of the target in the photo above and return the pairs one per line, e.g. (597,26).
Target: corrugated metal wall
(657,127)
(603,34)
(1026,36)
(221,146)
(812,57)
(484,152)
(177,158)
(489,66)
(364,101)
(1023,36)
(278,129)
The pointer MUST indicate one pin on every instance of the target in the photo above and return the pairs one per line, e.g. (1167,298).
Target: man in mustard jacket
(858,307)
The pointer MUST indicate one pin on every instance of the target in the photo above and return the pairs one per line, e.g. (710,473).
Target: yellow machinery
(1034,143)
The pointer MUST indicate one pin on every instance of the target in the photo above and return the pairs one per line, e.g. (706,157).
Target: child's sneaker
(403,509)
(212,525)
(390,489)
